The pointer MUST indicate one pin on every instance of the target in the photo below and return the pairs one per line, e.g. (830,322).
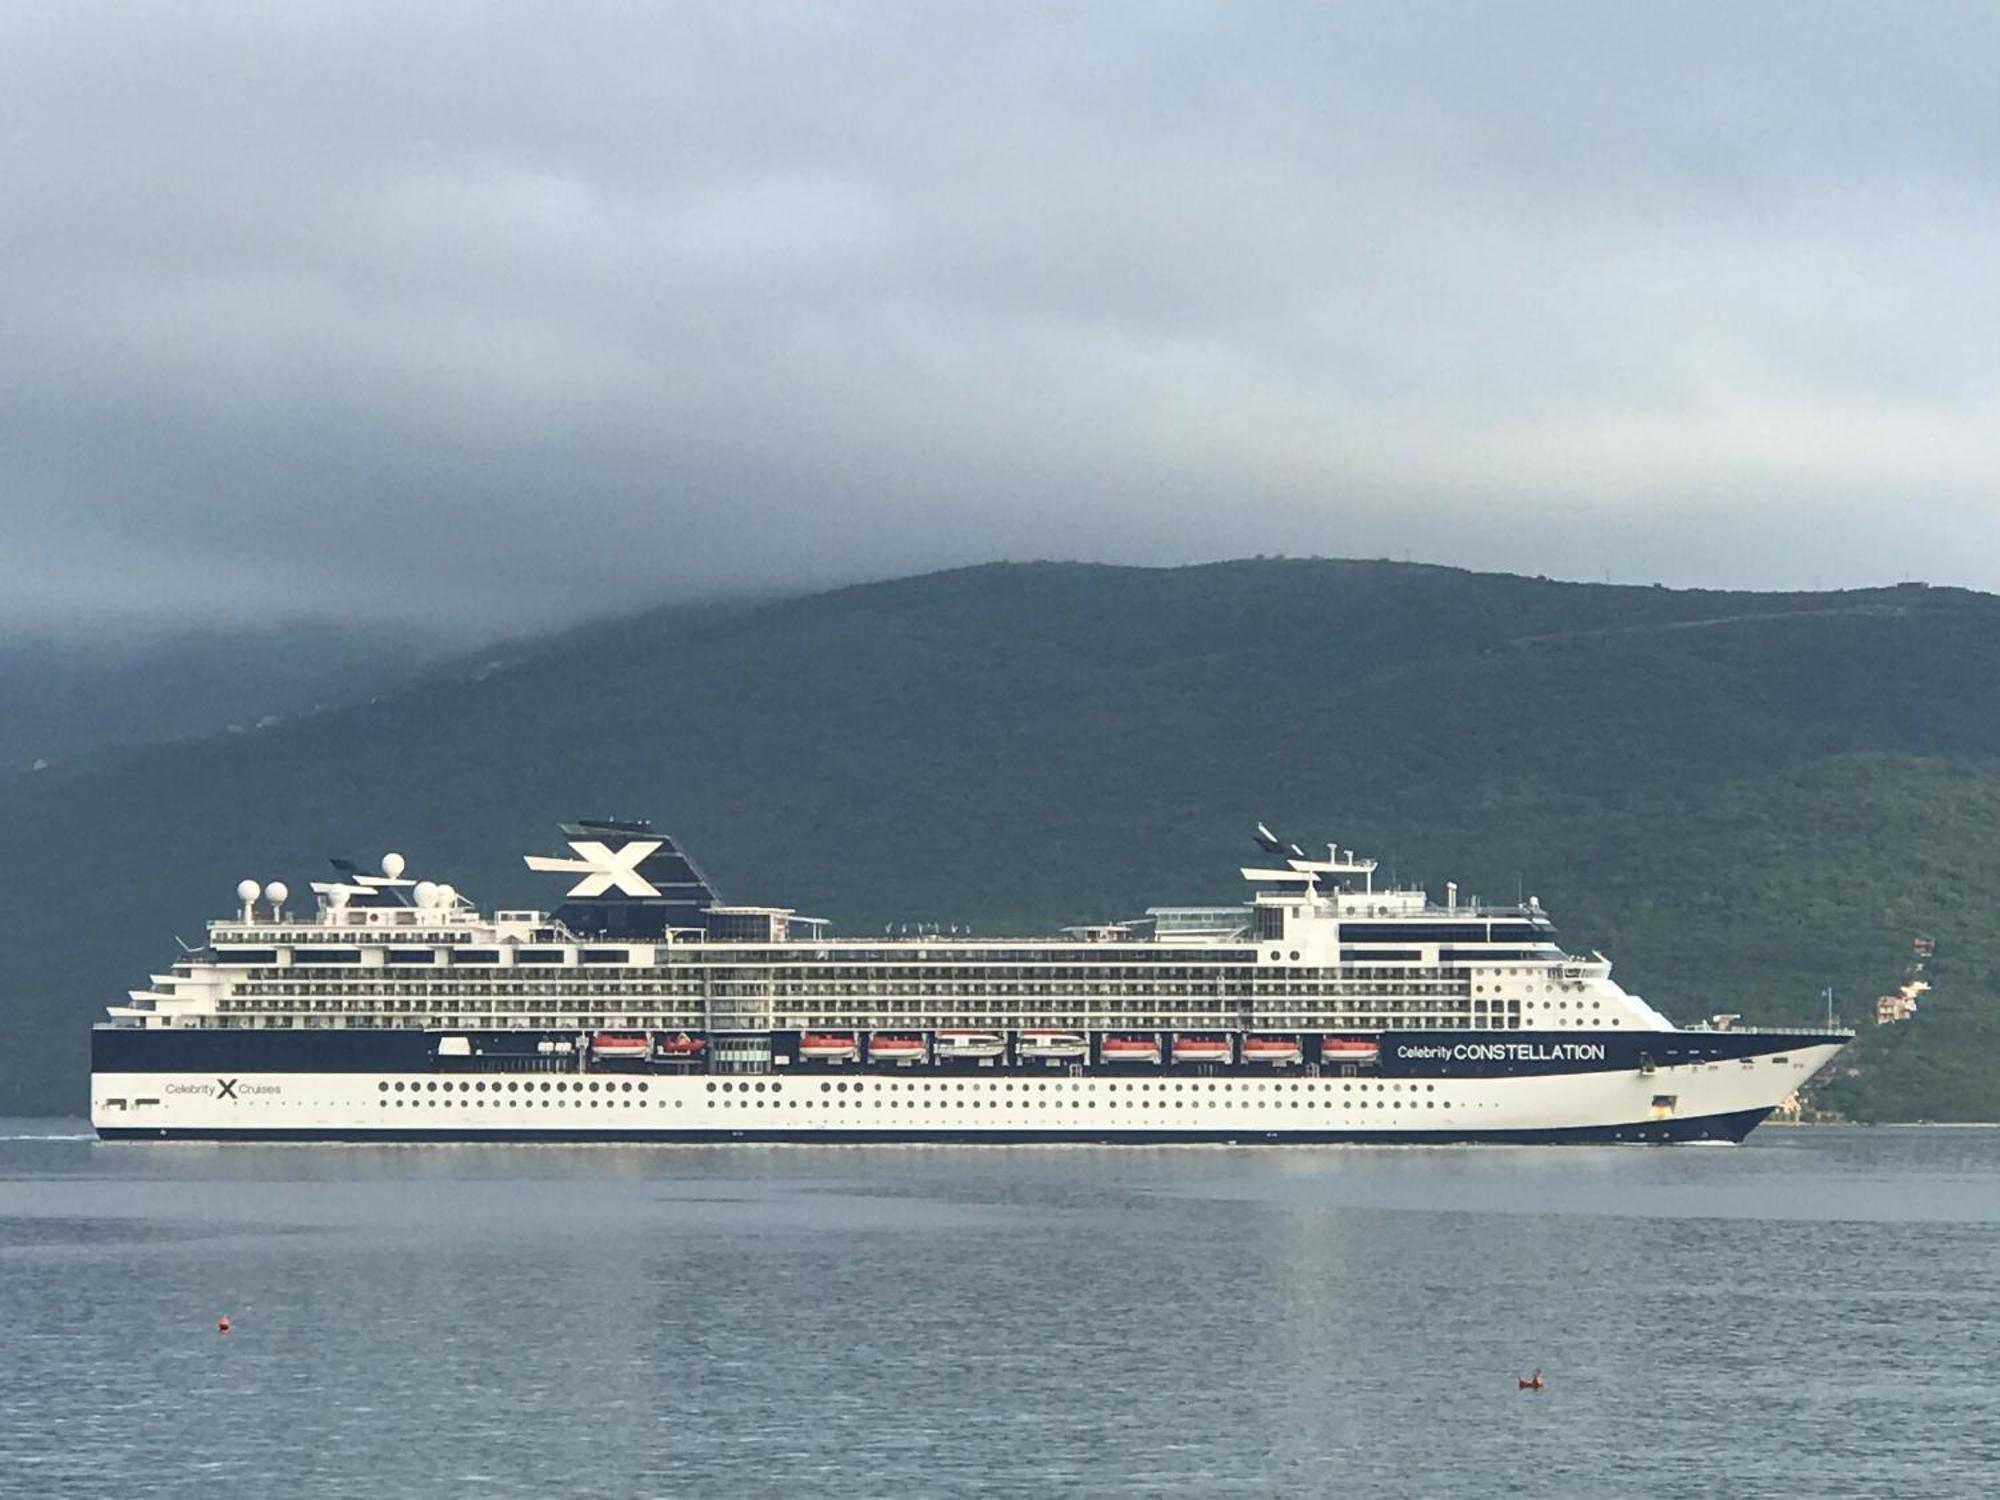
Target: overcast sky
(505,315)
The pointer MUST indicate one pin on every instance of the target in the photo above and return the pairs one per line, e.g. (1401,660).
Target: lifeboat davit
(1349,1049)
(970,1044)
(829,1047)
(1054,1046)
(1130,1049)
(1277,1050)
(1201,1049)
(896,1049)
(679,1045)
(620,1044)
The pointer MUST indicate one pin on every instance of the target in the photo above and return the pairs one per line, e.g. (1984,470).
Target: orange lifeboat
(680,1045)
(620,1044)
(1130,1049)
(1349,1049)
(896,1049)
(1201,1049)
(1276,1050)
(829,1046)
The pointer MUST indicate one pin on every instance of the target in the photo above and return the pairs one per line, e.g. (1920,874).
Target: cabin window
(326,955)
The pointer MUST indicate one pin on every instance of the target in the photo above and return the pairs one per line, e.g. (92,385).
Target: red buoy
(222,1324)
(1532,1383)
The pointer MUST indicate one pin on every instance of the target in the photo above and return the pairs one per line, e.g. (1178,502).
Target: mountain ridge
(1016,746)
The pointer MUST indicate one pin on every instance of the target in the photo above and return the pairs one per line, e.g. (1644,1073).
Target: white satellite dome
(426,893)
(392,866)
(447,896)
(276,892)
(246,890)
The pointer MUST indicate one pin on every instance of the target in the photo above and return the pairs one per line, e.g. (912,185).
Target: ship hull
(1435,1087)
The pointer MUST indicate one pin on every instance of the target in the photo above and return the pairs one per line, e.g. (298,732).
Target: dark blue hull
(1724,1128)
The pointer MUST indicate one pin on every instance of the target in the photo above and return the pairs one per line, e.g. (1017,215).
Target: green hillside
(1742,798)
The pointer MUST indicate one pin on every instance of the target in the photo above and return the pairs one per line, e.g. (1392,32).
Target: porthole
(383,1085)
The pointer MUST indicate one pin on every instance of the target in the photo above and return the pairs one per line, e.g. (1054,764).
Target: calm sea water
(1817,1313)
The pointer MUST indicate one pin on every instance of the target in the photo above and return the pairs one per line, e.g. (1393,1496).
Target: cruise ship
(645,1008)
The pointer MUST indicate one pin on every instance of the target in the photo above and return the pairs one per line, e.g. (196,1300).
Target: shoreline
(1884,1124)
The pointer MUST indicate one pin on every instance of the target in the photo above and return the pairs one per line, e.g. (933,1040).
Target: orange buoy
(222,1324)
(1532,1383)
